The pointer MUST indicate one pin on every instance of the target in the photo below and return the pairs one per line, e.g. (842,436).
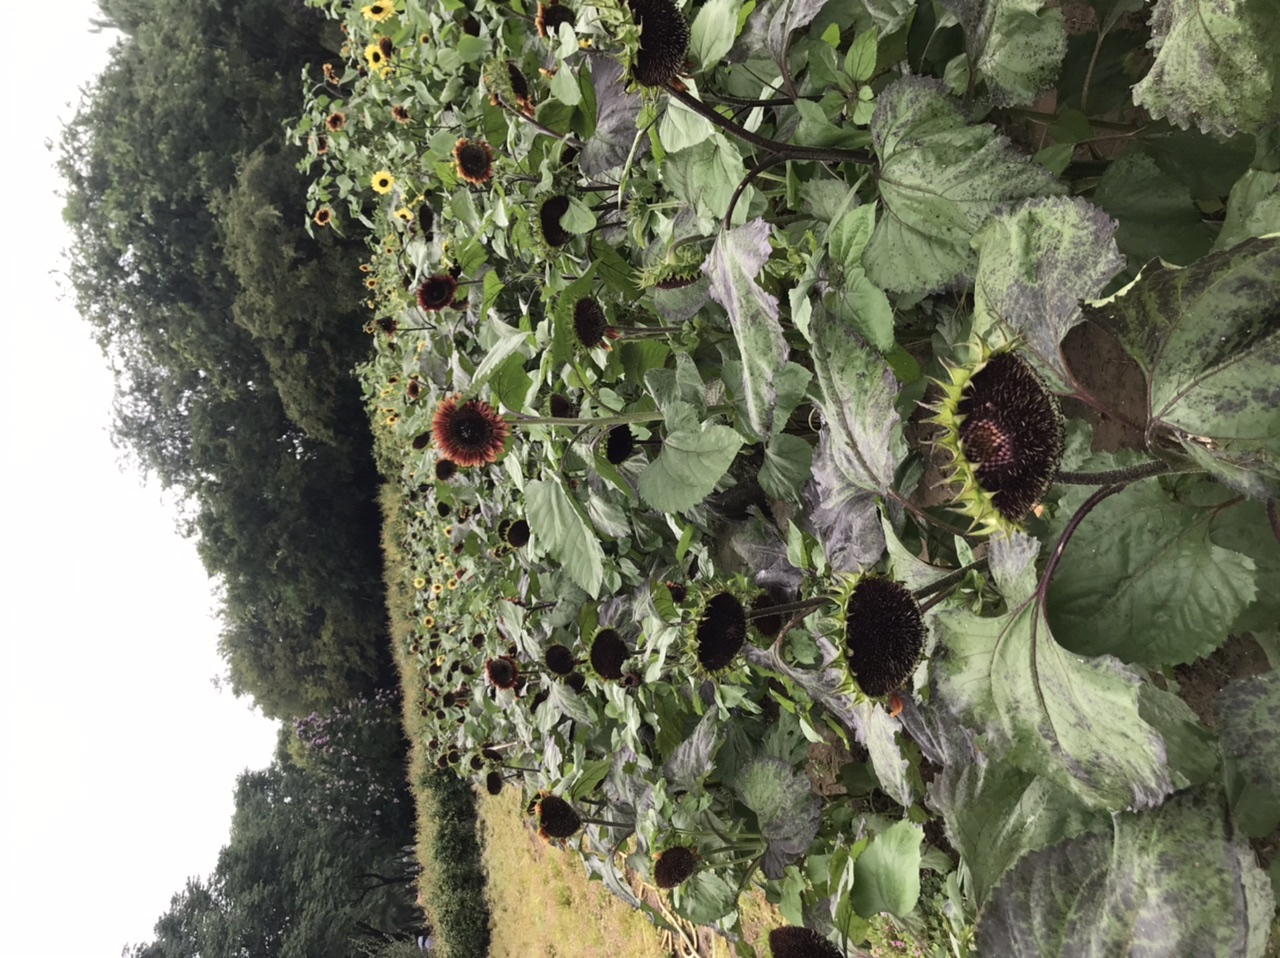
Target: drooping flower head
(608,652)
(473,160)
(884,634)
(793,942)
(400,113)
(1005,434)
(446,469)
(437,292)
(493,783)
(664,41)
(557,818)
(470,433)
(550,16)
(721,631)
(562,408)
(619,444)
(674,866)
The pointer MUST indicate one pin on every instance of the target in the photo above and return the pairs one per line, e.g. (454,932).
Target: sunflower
(503,672)
(557,818)
(331,75)
(446,469)
(386,47)
(382,181)
(324,216)
(400,113)
(589,323)
(404,214)
(884,634)
(549,213)
(721,631)
(550,16)
(335,121)
(794,942)
(559,659)
(469,433)
(619,444)
(474,161)
(1004,432)
(436,292)
(517,534)
(664,41)
(561,407)
(608,652)
(377,12)
(674,866)
(377,59)
(321,145)
(493,783)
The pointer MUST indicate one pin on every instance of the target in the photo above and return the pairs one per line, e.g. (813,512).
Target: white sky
(117,754)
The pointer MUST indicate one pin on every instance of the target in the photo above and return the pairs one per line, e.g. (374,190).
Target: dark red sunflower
(674,866)
(470,433)
(559,659)
(557,818)
(400,113)
(590,324)
(608,652)
(793,942)
(619,444)
(884,634)
(437,292)
(664,41)
(549,213)
(474,161)
(721,632)
(503,672)
(550,16)
(335,121)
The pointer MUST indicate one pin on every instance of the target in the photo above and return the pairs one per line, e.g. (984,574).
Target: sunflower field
(896,379)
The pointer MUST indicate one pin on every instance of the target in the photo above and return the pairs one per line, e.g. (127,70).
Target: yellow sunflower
(404,213)
(377,12)
(382,182)
(420,582)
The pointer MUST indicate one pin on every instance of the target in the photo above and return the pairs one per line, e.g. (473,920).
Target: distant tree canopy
(232,332)
(311,868)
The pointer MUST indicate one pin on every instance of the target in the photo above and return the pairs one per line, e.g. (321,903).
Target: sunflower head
(436,292)
(517,534)
(590,325)
(469,433)
(608,653)
(509,86)
(335,121)
(794,942)
(674,866)
(382,181)
(324,216)
(550,16)
(493,783)
(561,407)
(549,213)
(721,631)
(400,113)
(473,160)
(619,444)
(664,41)
(884,633)
(1004,431)
(377,12)
(503,672)
(559,659)
(557,818)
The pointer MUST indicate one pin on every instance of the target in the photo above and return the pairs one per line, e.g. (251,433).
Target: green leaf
(771,23)
(1157,215)
(510,383)
(939,181)
(505,341)
(705,898)
(1035,264)
(864,307)
(1247,714)
(561,529)
(1215,65)
(713,32)
(788,465)
(691,760)
(1155,589)
(1244,528)
(681,128)
(564,87)
(860,61)
(1073,720)
(578,218)
(878,733)
(705,177)
(732,265)
(470,49)
(1015,45)
(887,874)
(996,813)
(786,807)
(689,466)
(1253,209)
(848,234)
(1167,883)
(1208,338)
(616,114)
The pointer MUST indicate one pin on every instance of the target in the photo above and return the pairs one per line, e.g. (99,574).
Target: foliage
(233,332)
(838,206)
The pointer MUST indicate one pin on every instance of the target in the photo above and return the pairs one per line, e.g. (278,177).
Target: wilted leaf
(732,266)
(1015,45)
(939,181)
(1036,263)
(771,24)
(564,533)
(1208,338)
(1167,883)
(1248,721)
(1155,589)
(1215,66)
(616,113)
(691,759)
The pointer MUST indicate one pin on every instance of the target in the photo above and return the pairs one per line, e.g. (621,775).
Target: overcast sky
(119,754)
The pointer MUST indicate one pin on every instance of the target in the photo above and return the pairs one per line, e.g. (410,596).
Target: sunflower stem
(606,822)
(808,605)
(1107,477)
(950,579)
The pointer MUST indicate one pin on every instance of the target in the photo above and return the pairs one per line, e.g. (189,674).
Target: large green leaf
(996,813)
(732,266)
(1167,883)
(561,529)
(860,446)
(1253,209)
(1248,720)
(1073,720)
(1155,589)
(1216,65)
(1208,338)
(786,807)
(1036,263)
(939,181)
(1244,528)
(690,464)
(771,24)
(1015,45)
(1157,215)
(887,873)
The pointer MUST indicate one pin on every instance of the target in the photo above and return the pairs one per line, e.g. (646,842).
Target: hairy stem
(1107,477)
